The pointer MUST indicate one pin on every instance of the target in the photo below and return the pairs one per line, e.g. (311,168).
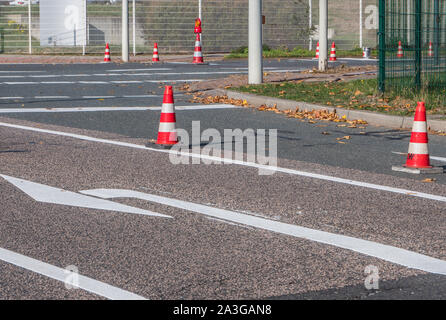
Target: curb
(371,117)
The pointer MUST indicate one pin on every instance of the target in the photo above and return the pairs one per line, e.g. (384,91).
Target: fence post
(382,46)
(30,47)
(418,44)
(436,30)
(125,31)
(360,24)
(134,27)
(310,21)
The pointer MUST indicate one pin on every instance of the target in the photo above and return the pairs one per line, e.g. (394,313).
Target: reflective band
(167,127)
(418,148)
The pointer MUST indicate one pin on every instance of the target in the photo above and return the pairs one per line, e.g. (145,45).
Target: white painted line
(10,98)
(20,83)
(12,77)
(148,69)
(88,284)
(98,97)
(172,81)
(237,162)
(431,157)
(51,97)
(93,82)
(76,75)
(21,71)
(104,109)
(388,253)
(56,82)
(127,81)
(45,76)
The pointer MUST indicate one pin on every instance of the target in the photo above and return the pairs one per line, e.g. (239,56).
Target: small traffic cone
(400,53)
(418,154)
(317,50)
(333,52)
(198,55)
(167,134)
(156,57)
(107,54)
(430,52)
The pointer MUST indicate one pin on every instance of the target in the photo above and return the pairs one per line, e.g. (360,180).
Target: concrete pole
(310,22)
(323,31)
(134,27)
(200,7)
(255,42)
(84,42)
(30,48)
(125,31)
(360,24)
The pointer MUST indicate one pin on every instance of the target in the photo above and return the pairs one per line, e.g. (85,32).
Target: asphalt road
(230,233)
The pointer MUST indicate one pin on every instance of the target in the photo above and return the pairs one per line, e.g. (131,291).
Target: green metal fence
(412,44)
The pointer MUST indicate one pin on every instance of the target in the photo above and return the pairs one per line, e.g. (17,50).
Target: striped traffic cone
(167,134)
(107,53)
(317,50)
(400,53)
(198,55)
(430,52)
(418,154)
(156,57)
(333,52)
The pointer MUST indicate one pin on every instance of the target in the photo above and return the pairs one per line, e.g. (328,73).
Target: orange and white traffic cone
(400,53)
(156,57)
(317,50)
(167,134)
(198,55)
(333,52)
(418,155)
(107,54)
(430,52)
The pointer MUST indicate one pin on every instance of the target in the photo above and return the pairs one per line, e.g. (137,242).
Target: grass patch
(357,94)
(294,53)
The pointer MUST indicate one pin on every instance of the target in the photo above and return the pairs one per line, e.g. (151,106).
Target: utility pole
(310,22)
(323,31)
(125,31)
(255,42)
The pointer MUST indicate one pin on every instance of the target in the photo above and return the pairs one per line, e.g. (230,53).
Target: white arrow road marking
(46,194)
(388,253)
(53,272)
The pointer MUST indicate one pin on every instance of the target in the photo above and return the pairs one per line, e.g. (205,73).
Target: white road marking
(388,253)
(12,77)
(104,109)
(46,194)
(148,69)
(88,284)
(21,83)
(56,82)
(171,81)
(127,81)
(10,98)
(93,82)
(21,71)
(238,162)
(98,97)
(431,157)
(51,97)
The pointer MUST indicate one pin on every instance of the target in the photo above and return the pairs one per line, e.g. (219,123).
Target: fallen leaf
(429,180)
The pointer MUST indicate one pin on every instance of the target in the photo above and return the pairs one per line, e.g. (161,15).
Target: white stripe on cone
(167,108)
(167,127)
(419,126)
(418,148)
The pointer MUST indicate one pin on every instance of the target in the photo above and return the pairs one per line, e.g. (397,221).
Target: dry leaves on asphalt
(312,115)
(429,180)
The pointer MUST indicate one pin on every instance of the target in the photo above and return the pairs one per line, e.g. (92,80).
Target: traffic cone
(107,54)
(333,52)
(317,50)
(418,154)
(198,55)
(430,52)
(400,53)
(167,134)
(156,57)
